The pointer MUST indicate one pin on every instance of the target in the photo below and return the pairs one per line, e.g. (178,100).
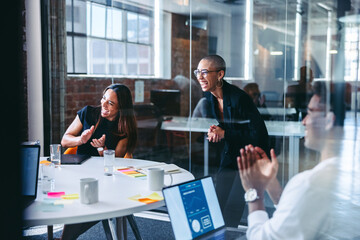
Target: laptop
(195,212)
(30,157)
(74,158)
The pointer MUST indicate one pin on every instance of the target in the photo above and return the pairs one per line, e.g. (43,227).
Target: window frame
(90,38)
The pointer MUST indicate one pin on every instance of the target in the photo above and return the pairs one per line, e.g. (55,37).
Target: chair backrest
(272,98)
(128,155)
(71,150)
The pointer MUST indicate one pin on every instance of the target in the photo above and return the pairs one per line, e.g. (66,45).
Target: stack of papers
(168,168)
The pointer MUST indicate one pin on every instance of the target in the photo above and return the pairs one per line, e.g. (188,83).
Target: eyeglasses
(314,110)
(203,72)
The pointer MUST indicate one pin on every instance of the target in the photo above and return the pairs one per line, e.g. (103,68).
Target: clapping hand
(98,142)
(86,135)
(255,168)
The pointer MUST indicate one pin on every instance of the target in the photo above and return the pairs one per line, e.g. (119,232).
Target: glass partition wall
(275,50)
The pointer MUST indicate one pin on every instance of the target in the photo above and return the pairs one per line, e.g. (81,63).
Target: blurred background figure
(252,89)
(202,109)
(298,95)
(183,84)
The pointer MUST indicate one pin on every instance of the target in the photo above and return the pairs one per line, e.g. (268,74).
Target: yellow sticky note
(155,196)
(45,162)
(137,175)
(135,198)
(130,172)
(70,196)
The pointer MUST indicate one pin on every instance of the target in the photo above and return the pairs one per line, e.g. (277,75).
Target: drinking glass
(55,154)
(48,180)
(109,158)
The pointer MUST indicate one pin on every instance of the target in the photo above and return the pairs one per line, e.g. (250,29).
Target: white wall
(34,72)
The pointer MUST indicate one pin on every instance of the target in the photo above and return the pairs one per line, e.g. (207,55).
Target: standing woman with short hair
(239,124)
(111,125)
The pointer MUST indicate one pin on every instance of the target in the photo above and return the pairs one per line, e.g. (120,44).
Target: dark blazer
(238,106)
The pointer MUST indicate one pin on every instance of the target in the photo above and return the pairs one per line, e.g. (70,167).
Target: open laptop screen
(193,208)
(30,155)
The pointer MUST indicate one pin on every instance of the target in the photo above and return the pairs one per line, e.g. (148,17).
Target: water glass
(48,177)
(55,154)
(109,159)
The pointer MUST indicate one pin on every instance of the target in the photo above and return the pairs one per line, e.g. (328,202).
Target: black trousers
(231,195)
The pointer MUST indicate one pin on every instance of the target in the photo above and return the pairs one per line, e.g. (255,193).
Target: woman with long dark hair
(111,125)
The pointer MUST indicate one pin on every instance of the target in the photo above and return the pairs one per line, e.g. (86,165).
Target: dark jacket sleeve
(239,134)
(254,132)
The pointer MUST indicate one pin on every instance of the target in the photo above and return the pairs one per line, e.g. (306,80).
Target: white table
(277,111)
(293,130)
(114,193)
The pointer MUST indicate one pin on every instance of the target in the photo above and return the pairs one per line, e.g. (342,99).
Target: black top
(238,106)
(88,117)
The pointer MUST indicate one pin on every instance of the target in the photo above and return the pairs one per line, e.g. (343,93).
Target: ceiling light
(354,18)
(276,53)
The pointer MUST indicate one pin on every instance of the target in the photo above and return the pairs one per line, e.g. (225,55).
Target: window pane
(144,60)
(144,29)
(132,27)
(98,56)
(79,16)
(68,16)
(69,50)
(114,24)
(132,55)
(80,54)
(88,18)
(116,58)
(98,21)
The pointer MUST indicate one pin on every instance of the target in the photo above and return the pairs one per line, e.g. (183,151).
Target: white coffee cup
(89,190)
(155,179)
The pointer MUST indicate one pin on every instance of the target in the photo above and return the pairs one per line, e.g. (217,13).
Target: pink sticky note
(55,194)
(126,170)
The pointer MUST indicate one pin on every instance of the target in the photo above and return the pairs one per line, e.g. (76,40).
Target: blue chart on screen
(196,208)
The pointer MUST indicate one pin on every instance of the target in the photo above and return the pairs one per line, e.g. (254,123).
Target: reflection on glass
(264,43)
